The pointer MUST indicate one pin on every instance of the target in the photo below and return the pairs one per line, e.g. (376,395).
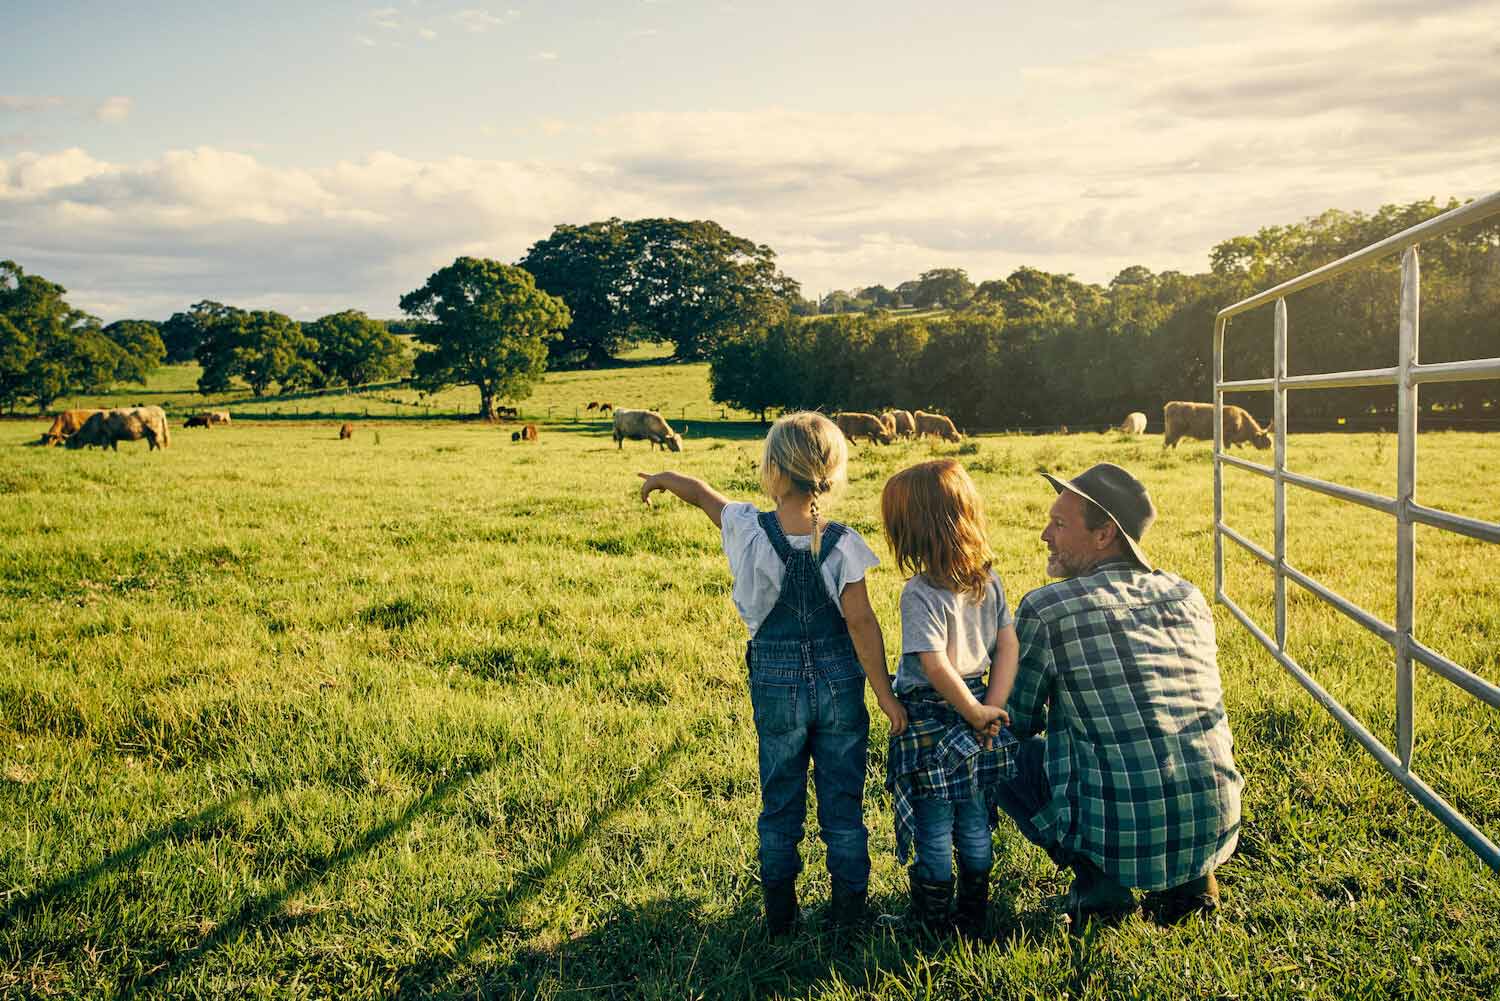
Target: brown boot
(1196,896)
(1096,894)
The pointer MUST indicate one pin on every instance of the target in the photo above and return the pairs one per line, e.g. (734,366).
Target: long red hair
(934,522)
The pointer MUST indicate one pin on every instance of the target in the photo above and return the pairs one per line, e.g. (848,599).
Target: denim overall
(807,690)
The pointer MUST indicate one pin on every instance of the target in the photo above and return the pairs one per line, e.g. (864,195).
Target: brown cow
(610,407)
(110,427)
(199,421)
(593,405)
(906,425)
(645,424)
(528,433)
(1196,420)
(936,424)
(65,424)
(346,431)
(858,425)
(1134,423)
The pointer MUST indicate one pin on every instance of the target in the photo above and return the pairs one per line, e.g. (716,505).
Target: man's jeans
(798,716)
(1028,792)
(941,826)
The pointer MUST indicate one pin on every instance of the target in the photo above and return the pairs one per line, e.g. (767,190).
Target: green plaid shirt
(1119,667)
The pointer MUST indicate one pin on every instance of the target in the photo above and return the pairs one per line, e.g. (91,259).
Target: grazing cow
(528,433)
(936,424)
(199,421)
(110,427)
(1196,420)
(644,424)
(65,424)
(888,418)
(346,431)
(504,412)
(593,405)
(606,406)
(218,417)
(857,425)
(1134,423)
(906,425)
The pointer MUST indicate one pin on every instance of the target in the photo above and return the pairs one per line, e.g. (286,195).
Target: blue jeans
(943,826)
(1028,792)
(812,716)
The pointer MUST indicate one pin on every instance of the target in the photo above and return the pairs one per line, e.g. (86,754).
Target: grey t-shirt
(934,618)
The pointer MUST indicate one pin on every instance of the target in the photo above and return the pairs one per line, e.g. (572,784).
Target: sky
(272,156)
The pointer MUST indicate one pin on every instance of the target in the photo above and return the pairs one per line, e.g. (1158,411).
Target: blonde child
(799,588)
(955,629)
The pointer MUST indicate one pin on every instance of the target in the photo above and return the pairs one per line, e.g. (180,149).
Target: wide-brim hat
(1119,495)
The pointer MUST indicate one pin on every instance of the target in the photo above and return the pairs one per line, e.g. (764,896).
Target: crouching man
(1132,783)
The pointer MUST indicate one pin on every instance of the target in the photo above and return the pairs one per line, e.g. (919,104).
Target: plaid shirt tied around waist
(939,756)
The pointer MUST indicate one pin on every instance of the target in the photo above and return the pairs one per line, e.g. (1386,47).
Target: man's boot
(1196,896)
(1096,894)
(781,907)
(973,908)
(847,908)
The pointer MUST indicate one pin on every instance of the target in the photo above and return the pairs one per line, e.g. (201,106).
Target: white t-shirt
(757,570)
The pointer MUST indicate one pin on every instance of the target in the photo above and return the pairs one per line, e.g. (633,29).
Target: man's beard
(1059,566)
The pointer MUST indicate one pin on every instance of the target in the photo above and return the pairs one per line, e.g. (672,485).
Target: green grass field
(431,714)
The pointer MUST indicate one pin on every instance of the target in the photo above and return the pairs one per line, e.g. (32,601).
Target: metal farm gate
(1406,377)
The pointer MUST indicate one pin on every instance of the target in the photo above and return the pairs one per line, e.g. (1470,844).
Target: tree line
(1040,349)
(1032,348)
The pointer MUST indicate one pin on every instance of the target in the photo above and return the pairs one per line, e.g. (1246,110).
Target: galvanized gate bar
(1462,677)
(1475,211)
(1421,791)
(1405,377)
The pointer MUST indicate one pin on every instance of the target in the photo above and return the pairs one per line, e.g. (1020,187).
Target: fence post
(1220,324)
(1278,416)
(1406,482)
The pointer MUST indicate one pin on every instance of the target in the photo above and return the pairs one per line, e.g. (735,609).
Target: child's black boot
(781,907)
(973,907)
(846,910)
(930,900)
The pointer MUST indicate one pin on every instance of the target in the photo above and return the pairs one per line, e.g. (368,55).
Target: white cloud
(1159,160)
(478,20)
(28,103)
(113,109)
(387,18)
(426,33)
(546,56)
(365,40)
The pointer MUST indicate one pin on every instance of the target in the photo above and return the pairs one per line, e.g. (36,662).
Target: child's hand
(985,719)
(896,713)
(652,484)
(1004,716)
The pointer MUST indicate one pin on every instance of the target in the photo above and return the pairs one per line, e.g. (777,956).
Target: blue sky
(313,160)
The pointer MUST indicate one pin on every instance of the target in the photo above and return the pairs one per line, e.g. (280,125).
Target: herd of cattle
(107,428)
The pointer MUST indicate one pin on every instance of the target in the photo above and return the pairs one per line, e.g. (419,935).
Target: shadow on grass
(670,948)
(62,888)
(494,916)
(261,910)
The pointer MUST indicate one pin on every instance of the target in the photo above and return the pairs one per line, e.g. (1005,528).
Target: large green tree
(354,349)
(260,347)
(486,325)
(948,288)
(48,349)
(591,268)
(141,349)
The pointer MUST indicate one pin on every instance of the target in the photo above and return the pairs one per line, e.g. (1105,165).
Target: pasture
(430,713)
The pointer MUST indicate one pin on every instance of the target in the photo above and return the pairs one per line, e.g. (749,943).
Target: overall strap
(831,536)
(772,528)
